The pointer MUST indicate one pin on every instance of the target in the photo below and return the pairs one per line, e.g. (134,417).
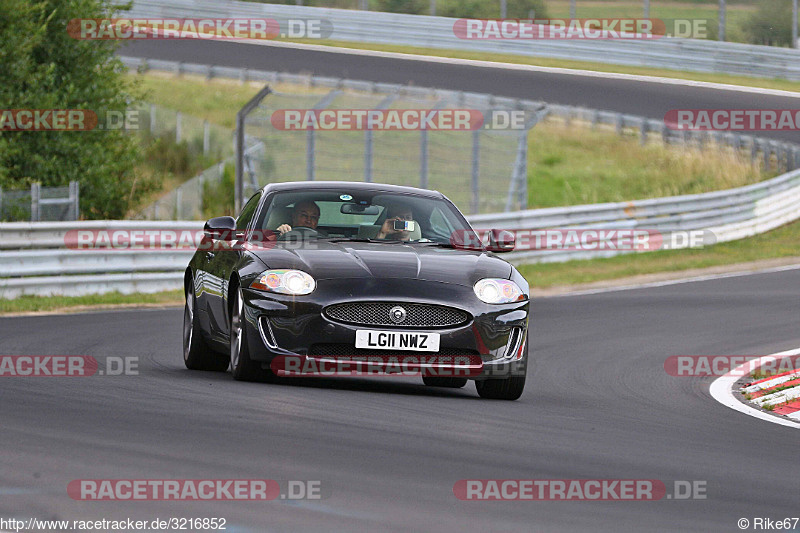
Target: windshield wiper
(363,239)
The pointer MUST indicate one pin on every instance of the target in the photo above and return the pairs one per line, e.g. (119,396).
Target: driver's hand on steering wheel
(284,228)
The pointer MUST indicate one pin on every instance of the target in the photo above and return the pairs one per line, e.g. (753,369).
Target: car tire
(507,388)
(501,389)
(242,367)
(450,383)
(197,354)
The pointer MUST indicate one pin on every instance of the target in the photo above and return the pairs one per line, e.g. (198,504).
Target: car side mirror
(220,228)
(501,240)
(466,240)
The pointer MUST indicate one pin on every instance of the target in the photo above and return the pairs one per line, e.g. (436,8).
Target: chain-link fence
(199,135)
(482,170)
(40,203)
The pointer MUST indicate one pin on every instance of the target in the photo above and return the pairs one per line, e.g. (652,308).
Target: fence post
(310,154)
(476,155)
(74,188)
(206,137)
(35,194)
(368,156)
(423,159)
(178,127)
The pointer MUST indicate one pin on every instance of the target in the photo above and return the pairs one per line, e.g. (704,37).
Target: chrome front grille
(380,314)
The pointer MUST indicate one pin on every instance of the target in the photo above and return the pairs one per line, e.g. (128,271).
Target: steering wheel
(299,233)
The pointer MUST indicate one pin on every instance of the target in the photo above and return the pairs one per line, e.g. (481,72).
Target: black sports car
(341,271)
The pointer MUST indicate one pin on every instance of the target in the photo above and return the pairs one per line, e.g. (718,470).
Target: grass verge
(33,304)
(778,243)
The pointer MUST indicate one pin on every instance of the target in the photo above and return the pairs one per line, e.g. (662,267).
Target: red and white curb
(764,392)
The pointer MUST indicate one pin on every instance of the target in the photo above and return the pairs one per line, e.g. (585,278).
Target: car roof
(350,185)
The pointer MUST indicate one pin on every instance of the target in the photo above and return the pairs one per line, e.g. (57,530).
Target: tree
(42,67)
(770,24)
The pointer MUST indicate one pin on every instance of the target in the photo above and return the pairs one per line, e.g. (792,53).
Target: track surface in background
(643,98)
(598,405)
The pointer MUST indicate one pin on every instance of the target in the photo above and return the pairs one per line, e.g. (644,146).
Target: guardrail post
(595,118)
(643,129)
(178,202)
(74,202)
(178,127)
(476,159)
(206,137)
(152,119)
(310,154)
(423,157)
(620,124)
(35,194)
(368,155)
(766,149)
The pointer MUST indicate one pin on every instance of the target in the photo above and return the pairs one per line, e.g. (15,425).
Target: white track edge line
(721,391)
(664,283)
(530,68)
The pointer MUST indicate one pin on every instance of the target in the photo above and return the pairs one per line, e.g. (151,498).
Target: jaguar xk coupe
(343,272)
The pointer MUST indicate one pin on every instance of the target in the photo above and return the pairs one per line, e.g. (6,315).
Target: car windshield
(361,215)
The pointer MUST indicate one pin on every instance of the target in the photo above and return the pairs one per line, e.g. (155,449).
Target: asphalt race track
(599,405)
(648,99)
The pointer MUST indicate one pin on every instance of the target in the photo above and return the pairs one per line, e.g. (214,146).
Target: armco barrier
(40,263)
(437,32)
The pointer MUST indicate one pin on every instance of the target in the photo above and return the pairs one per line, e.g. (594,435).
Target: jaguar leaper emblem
(397,314)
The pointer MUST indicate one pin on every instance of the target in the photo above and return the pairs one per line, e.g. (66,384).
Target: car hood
(327,260)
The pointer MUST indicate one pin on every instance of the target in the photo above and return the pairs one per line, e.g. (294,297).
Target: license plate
(397,340)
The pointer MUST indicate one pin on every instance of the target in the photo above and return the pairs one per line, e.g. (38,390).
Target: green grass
(29,304)
(781,242)
(217,101)
(576,165)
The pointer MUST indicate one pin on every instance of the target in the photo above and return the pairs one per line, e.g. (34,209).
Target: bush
(42,67)
(481,9)
(770,24)
(218,198)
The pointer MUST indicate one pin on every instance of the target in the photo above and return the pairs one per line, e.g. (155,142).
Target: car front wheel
(197,354)
(242,367)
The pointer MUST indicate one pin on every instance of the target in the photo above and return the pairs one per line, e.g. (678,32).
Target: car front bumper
(281,325)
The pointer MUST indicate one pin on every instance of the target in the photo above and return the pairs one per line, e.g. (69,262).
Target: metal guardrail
(437,32)
(42,265)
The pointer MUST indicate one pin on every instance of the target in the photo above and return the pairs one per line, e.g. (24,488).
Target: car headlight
(498,291)
(294,282)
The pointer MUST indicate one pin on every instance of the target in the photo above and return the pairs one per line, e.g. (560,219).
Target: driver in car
(305,214)
(396,212)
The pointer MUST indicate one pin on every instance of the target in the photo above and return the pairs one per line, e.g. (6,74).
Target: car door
(221,264)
